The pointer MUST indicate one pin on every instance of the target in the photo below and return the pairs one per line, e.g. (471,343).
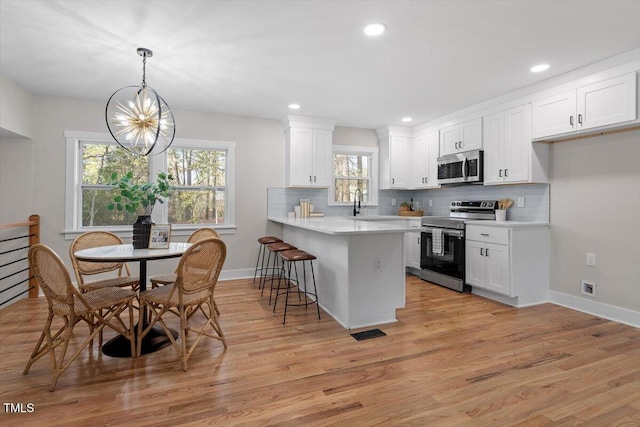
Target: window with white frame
(354,168)
(203,182)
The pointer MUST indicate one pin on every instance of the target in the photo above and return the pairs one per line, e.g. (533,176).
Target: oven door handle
(457,233)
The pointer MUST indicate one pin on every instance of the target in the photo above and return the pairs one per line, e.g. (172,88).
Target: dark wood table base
(155,340)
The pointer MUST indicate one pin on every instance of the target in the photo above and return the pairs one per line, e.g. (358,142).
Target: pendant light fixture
(138,118)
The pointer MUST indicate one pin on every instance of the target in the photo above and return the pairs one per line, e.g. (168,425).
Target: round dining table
(156,339)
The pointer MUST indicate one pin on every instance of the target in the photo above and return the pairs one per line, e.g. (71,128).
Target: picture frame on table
(160,236)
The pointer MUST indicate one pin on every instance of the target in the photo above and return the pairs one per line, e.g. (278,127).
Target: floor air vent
(365,335)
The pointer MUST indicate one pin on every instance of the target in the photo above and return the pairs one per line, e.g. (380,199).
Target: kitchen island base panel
(360,277)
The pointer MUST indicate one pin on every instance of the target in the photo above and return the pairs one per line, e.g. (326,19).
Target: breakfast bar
(360,269)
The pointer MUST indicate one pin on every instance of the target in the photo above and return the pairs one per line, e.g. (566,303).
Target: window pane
(197,207)
(95,212)
(202,168)
(345,189)
(351,165)
(100,160)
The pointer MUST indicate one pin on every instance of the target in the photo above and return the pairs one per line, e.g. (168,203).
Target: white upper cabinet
(509,154)
(308,151)
(605,103)
(395,157)
(461,137)
(425,160)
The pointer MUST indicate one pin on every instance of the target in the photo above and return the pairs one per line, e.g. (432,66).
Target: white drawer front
(483,233)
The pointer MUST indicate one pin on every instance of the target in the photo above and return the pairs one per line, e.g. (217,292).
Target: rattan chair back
(94,239)
(202,233)
(53,278)
(200,266)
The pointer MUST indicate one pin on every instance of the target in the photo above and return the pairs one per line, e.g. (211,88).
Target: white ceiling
(253,58)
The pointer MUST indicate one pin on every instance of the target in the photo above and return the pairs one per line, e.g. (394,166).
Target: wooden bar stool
(291,258)
(264,241)
(274,248)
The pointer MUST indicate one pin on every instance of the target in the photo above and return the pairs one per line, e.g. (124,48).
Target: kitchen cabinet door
(425,160)
(308,157)
(461,137)
(509,154)
(322,158)
(497,268)
(412,255)
(471,135)
(517,145)
(400,163)
(449,139)
(475,263)
(607,102)
(493,140)
(301,157)
(554,115)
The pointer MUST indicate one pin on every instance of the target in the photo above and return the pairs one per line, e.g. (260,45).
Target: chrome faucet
(356,211)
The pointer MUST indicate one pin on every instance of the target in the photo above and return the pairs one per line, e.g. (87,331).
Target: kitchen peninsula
(360,270)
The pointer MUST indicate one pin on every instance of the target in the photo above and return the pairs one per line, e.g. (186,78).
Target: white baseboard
(606,311)
(245,273)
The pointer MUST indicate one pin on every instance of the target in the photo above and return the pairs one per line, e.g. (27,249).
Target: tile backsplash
(536,200)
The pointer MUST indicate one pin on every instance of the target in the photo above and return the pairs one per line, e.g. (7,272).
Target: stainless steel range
(442,244)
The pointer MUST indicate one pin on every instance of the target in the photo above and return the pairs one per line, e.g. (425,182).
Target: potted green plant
(139,198)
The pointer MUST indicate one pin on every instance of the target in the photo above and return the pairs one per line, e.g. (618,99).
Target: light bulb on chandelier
(138,118)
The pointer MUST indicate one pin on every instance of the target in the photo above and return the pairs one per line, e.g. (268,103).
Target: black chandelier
(138,118)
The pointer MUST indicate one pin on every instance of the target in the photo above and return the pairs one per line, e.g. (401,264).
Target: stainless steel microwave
(460,168)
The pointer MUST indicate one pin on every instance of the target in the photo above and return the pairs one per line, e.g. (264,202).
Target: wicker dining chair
(199,234)
(191,293)
(98,308)
(95,239)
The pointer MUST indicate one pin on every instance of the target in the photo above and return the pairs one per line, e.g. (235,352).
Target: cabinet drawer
(481,233)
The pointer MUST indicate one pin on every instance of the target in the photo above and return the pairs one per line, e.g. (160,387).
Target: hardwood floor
(451,360)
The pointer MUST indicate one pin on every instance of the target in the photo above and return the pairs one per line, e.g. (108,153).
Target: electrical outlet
(430,203)
(588,288)
(377,264)
(393,202)
(591,259)
(521,202)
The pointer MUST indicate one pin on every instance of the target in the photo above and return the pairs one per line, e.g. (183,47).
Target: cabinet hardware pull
(505,173)
(481,254)
(423,180)
(571,120)
(500,173)
(484,234)
(418,240)
(456,145)
(460,146)
(310,178)
(580,118)
(314,178)
(486,252)
(426,180)
(393,180)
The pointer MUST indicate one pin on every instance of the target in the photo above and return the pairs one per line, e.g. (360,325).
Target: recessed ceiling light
(407,119)
(375,29)
(294,106)
(539,68)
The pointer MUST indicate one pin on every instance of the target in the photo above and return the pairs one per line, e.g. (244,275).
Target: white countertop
(511,224)
(343,225)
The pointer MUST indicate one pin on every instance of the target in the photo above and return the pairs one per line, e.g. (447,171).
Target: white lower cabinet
(488,266)
(508,263)
(412,250)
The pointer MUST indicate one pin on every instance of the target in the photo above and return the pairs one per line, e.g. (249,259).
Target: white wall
(595,207)
(15,109)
